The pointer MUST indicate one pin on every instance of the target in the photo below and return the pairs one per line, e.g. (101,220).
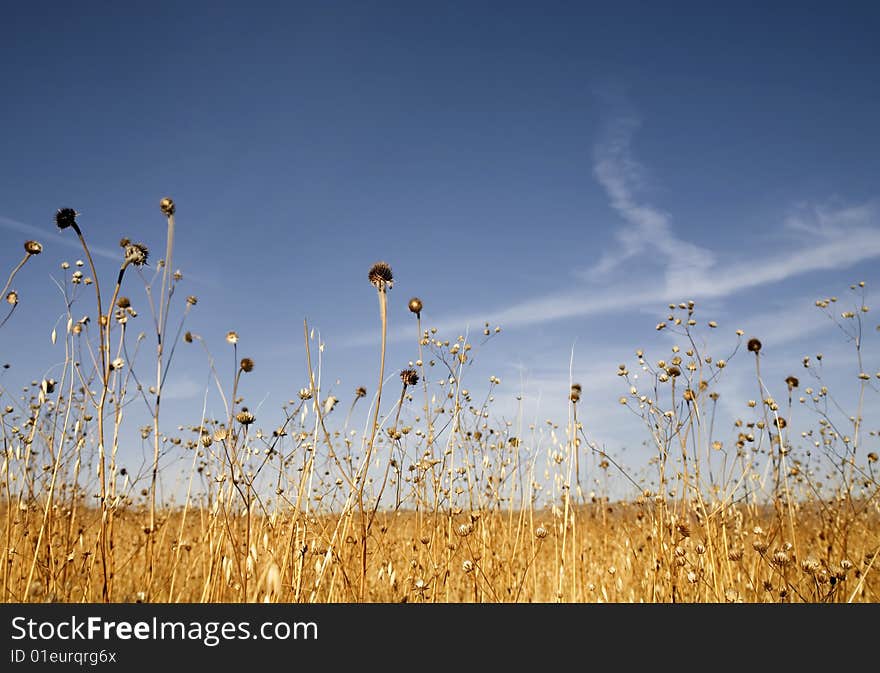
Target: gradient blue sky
(562,169)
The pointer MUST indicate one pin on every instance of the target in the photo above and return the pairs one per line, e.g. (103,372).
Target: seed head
(65,217)
(192,300)
(136,253)
(232,338)
(360,391)
(792,382)
(167,206)
(872,457)
(540,532)
(467,566)
(410,377)
(754,345)
(12,298)
(245,417)
(415,306)
(575,394)
(381,276)
(33,247)
(123,302)
(247,365)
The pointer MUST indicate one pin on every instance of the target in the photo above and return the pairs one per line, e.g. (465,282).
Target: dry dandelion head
(65,217)
(754,345)
(247,365)
(167,207)
(415,306)
(381,276)
(136,253)
(33,247)
(410,377)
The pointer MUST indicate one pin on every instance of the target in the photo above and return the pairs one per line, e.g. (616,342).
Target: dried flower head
(65,217)
(540,532)
(305,394)
(872,457)
(410,377)
(467,566)
(754,345)
(245,417)
(247,365)
(167,206)
(12,298)
(360,391)
(188,337)
(575,393)
(781,423)
(136,253)
(33,247)
(792,382)
(192,300)
(381,277)
(415,306)
(232,338)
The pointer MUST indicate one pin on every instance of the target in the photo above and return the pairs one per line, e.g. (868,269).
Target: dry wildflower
(305,394)
(360,391)
(232,338)
(759,546)
(540,532)
(781,423)
(167,207)
(123,302)
(188,337)
(735,554)
(754,345)
(692,577)
(792,382)
(247,365)
(192,300)
(673,372)
(245,417)
(465,529)
(65,217)
(575,394)
(136,253)
(33,247)
(467,566)
(872,457)
(12,298)
(381,276)
(410,377)
(415,306)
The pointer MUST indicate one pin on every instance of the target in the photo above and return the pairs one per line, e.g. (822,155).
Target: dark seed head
(754,345)
(247,365)
(410,377)
(381,277)
(123,302)
(792,382)
(167,206)
(360,391)
(33,247)
(415,305)
(65,217)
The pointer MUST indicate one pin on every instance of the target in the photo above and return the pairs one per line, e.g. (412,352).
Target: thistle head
(381,276)
(410,377)
(65,217)
(136,253)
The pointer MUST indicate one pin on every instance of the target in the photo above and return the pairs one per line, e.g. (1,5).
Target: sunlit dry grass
(436,498)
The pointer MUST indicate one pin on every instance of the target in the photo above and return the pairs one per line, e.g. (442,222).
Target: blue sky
(564,170)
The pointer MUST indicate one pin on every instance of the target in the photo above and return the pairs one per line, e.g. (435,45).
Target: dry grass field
(446,503)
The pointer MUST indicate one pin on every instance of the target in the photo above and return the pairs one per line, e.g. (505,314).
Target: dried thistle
(381,276)
(245,417)
(754,345)
(65,217)
(136,253)
(410,377)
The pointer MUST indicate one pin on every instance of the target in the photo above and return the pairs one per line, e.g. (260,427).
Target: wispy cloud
(44,235)
(823,238)
(621,175)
